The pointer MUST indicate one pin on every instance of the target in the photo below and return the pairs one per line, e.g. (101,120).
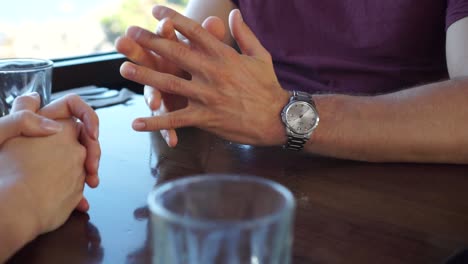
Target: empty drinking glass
(20,76)
(226,219)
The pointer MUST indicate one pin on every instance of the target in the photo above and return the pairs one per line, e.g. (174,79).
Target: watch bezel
(289,127)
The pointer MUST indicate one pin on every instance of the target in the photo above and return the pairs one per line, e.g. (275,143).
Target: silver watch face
(301,117)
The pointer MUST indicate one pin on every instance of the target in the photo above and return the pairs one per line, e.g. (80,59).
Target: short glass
(21,76)
(225,219)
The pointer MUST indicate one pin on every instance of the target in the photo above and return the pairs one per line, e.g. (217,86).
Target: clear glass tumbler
(20,76)
(225,219)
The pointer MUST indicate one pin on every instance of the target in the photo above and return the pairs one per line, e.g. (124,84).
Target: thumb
(26,123)
(245,38)
(30,101)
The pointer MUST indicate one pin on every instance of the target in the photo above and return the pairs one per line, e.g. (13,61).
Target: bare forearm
(423,124)
(15,231)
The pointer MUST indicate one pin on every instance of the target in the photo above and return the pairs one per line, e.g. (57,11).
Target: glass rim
(161,211)
(46,64)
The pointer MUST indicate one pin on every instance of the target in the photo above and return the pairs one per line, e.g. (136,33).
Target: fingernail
(51,125)
(157,11)
(240,15)
(149,99)
(35,94)
(128,70)
(133,32)
(139,125)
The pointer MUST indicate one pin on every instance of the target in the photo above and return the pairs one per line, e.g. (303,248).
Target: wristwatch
(300,118)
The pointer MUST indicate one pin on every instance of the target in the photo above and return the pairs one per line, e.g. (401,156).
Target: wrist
(277,132)
(327,105)
(300,118)
(340,117)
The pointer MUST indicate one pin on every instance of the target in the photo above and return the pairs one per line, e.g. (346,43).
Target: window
(68,28)
(77,34)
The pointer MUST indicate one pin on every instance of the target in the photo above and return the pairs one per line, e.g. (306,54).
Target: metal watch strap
(302,96)
(297,143)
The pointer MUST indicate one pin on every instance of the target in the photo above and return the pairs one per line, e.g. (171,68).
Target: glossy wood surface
(347,212)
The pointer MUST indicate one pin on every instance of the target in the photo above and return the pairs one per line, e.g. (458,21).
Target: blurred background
(57,29)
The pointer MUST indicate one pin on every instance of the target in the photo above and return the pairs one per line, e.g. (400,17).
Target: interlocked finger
(31,102)
(165,82)
(172,120)
(127,46)
(192,30)
(72,106)
(176,52)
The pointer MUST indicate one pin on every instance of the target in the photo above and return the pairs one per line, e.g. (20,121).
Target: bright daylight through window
(68,28)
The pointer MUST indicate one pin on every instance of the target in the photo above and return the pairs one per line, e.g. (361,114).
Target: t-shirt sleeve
(456,10)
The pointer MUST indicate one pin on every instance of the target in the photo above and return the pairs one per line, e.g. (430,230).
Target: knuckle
(98,151)
(196,29)
(92,117)
(25,100)
(209,70)
(89,116)
(179,51)
(268,57)
(72,97)
(208,99)
(23,118)
(225,75)
(218,101)
(173,85)
(176,122)
(230,54)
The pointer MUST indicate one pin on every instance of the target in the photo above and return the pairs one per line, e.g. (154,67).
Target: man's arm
(239,98)
(422,124)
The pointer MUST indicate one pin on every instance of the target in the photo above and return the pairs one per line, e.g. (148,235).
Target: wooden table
(347,212)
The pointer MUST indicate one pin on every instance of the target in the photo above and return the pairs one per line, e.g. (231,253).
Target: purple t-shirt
(354,46)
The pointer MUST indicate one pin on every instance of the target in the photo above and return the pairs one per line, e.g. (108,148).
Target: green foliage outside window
(178,2)
(135,12)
